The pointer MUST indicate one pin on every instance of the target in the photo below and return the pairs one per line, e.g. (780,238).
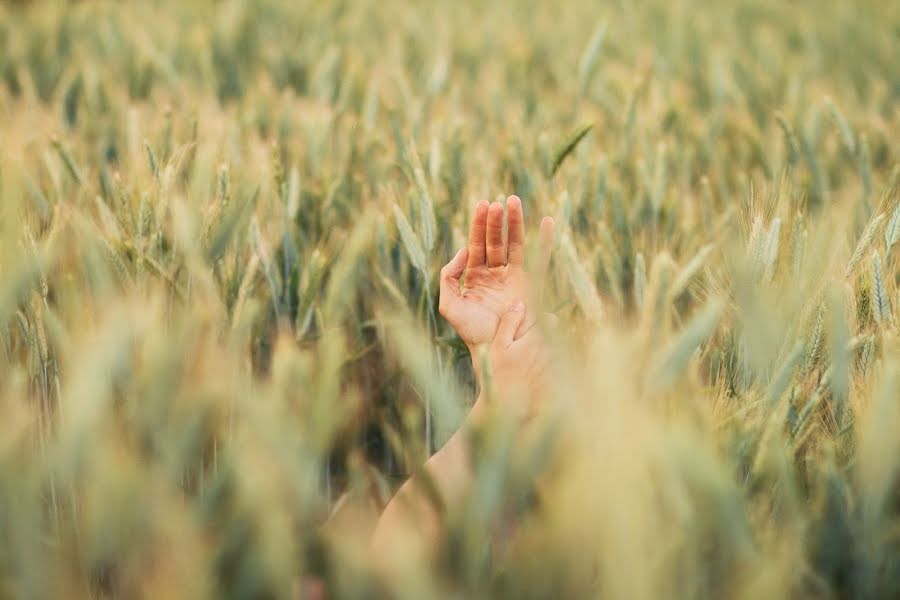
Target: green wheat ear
(865,241)
(68,161)
(567,147)
(816,339)
(892,230)
(843,126)
(782,379)
(585,291)
(690,271)
(771,249)
(881,306)
(151,160)
(640,280)
(790,139)
(682,347)
(410,241)
(655,318)
(587,65)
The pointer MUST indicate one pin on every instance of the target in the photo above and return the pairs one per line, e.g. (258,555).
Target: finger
(450,275)
(496,249)
(547,224)
(516,231)
(476,235)
(509,324)
(454,269)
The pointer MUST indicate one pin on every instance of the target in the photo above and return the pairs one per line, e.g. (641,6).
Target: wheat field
(221,226)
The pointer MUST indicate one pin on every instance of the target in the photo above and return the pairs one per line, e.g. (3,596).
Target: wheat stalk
(862,246)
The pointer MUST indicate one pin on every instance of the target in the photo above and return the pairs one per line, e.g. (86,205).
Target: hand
(519,368)
(494,272)
(519,377)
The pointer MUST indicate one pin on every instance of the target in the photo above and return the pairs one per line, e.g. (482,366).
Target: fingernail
(518,307)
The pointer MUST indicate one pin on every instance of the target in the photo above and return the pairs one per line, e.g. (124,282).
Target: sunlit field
(221,228)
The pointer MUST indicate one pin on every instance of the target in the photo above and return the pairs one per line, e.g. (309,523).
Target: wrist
(478,354)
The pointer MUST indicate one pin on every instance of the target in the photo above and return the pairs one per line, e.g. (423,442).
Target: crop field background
(221,226)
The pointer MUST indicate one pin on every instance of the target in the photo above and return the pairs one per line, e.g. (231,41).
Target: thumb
(450,275)
(453,270)
(509,325)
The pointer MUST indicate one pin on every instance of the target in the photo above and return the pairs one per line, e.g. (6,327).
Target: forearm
(411,512)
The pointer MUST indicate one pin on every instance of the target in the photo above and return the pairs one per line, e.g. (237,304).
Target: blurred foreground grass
(213,335)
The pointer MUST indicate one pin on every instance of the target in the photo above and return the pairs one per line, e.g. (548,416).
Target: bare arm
(518,369)
(411,512)
(486,311)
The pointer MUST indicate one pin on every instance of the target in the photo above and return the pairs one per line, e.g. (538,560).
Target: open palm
(495,276)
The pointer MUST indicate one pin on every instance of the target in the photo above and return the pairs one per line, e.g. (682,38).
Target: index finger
(477,233)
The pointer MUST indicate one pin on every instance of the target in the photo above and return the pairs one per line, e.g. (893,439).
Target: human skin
(489,314)
(518,374)
(495,275)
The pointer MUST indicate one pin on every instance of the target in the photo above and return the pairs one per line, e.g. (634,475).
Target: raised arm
(488,311)
(518,370)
